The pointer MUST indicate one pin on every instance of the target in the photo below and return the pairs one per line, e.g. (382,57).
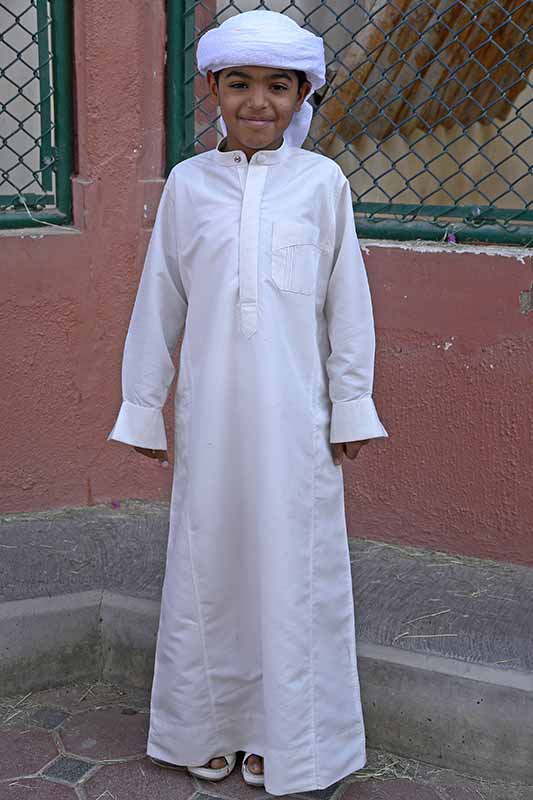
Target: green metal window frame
(56,152)
(475,223)
(179,81)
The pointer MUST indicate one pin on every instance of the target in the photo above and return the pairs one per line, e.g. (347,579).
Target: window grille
(35,112)
(428,109)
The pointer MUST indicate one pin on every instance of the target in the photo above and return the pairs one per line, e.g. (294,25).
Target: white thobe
(260,263)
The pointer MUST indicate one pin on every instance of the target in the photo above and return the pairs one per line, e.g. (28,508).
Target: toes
(255,764)
(217,763)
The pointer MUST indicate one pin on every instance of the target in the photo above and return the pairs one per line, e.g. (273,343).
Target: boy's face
(257,104)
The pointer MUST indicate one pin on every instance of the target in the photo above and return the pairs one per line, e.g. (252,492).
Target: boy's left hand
(350,449)
(160,455)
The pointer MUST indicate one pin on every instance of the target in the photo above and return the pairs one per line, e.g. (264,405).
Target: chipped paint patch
(446,344)
(526,300)
(30,233)
(521,254)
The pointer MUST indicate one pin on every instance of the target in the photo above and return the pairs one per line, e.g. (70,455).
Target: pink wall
(454,364)
(454,384)
(70,295)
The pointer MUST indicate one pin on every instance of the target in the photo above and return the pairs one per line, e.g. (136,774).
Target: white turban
(267,39)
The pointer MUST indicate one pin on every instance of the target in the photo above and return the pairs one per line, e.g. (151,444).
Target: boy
(254,252)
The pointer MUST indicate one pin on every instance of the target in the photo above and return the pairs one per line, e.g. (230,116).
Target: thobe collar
(235,158)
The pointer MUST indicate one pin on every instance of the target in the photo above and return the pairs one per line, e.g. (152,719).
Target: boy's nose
(258,99)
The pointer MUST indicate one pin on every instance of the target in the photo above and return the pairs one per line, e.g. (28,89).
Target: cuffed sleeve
(355,420)
(348,309)
(157,320)
(140,426)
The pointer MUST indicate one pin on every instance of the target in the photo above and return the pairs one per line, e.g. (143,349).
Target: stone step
(444,642)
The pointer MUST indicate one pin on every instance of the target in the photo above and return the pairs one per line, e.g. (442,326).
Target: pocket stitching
(286,238)
(284,276)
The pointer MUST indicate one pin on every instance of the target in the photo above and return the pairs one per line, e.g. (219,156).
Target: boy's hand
(161,455)
(351,449)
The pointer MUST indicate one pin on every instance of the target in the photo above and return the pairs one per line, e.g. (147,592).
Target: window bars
(35,112)
(428,109)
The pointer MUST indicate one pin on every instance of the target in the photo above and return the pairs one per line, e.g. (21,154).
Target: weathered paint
(66,297)
(454,360)
(453,382)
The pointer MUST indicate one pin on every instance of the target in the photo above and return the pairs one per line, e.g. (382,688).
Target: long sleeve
(156,322)
(348,309)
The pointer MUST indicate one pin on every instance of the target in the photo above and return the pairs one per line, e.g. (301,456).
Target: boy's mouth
(256,122)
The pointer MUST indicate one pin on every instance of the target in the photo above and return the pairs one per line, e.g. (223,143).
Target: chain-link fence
(35,112)
(428,109)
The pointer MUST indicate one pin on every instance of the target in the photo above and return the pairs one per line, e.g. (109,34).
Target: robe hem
(234,743)
(311,787)
(252,747)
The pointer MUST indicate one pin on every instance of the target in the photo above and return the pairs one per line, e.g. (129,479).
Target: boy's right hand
(160,455)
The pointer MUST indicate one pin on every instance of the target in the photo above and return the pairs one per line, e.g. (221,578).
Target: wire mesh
(428,109)
(29,154)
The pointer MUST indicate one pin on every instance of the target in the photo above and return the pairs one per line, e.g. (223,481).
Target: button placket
(249,248)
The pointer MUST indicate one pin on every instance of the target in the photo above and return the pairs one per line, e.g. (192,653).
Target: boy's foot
(252,769)
(216,763)
(216,769)
(255,764)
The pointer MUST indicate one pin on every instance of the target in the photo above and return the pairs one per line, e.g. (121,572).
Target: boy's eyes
(275,86)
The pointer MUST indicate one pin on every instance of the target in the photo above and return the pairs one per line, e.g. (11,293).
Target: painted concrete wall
(454,360)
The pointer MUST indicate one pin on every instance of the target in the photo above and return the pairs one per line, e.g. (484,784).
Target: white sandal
(251,778)
(212,774)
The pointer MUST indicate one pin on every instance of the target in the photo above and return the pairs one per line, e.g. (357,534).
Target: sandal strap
(227,758)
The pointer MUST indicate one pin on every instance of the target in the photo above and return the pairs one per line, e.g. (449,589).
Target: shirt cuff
(355,420)
(140,426)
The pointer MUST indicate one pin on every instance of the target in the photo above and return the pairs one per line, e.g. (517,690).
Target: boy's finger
(163,458)
(160,455)
(337,452)
(144,451)
(353,448)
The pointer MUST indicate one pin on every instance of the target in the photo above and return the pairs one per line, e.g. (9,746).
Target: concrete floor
(87,742)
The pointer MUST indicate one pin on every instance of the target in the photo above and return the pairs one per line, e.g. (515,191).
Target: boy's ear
(211,82)
(303,91)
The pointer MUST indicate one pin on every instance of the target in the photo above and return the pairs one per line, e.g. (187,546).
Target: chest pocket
(296,251)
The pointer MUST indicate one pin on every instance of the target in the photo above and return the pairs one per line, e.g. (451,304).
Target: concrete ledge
(129,632)
(47,639)
(417,600)
(470,717)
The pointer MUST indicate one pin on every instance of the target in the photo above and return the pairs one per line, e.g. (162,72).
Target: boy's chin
(259,143)
(260,140)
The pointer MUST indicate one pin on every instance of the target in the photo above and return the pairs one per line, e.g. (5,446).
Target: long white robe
(256,647)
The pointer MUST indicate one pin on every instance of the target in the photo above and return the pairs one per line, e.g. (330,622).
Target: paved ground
(87,742)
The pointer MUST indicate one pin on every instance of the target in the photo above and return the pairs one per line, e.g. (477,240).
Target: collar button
(237,159)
